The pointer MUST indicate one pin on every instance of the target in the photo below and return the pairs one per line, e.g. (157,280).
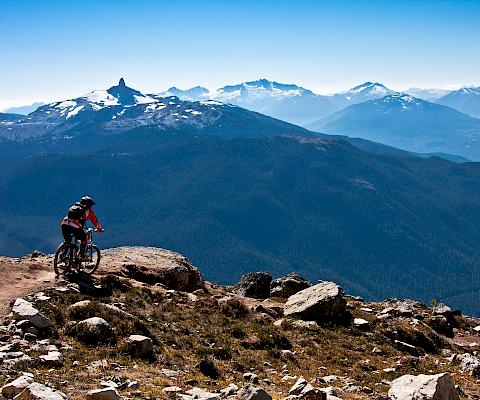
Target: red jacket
(88,215)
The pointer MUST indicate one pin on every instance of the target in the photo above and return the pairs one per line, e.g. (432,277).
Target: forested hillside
(380,225)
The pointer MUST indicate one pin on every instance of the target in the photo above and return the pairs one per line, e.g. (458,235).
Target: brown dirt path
(20,276)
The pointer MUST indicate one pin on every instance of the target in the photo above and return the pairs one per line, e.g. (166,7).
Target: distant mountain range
(103,114)
(466,100)
(24,110)
(409,123)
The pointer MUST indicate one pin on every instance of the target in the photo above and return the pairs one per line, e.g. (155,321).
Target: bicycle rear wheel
(62,259)
(91,260)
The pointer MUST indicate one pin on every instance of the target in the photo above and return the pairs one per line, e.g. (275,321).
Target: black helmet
(87,201)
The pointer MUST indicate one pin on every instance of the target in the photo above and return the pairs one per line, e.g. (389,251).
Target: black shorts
(69,231)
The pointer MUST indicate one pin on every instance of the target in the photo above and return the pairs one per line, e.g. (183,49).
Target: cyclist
(75,220)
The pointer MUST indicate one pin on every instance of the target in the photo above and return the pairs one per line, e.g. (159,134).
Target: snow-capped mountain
(364,92)
(287,102)
(466,100)
(427,94)
(408,123)
(121,109)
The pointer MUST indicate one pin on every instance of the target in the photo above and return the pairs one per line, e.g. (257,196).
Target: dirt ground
(20,276)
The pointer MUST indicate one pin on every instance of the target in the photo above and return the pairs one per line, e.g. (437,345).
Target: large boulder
(24,310)
(153,265)
(11,389)
(288,285)
(323,301)
(37,391)
(423,387)
(254,284)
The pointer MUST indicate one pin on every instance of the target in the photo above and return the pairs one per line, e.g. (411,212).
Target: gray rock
(52,359)
(230,390)
(24,310)
(288,285)
(140,346)
(93,330)
(444,310)
(201,394)
(252,392)
(361,324)
(469,363)
(423,387)
(322,301)
(171,389)
(251,377)
(254,284)
(37,391)
(299,386)
(108,393)
(156,266)
(10,390)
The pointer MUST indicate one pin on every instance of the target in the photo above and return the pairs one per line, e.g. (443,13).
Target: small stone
(52,359)
(251,377)
(469,364)
(201,394)
(171,389)
(23,309)
(361,324)
(252,392)
(140,346)
(108,393)
(230,390)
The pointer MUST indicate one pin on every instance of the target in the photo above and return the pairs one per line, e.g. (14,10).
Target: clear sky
(52,50)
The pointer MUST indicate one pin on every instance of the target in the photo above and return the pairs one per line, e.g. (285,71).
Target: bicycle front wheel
(92,259)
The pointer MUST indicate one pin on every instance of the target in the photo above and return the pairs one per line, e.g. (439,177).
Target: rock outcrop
(288,285)
(423,387)
(323,301)
(153,265)
(255,285)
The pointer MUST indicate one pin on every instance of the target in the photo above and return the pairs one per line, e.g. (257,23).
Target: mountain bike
(66,259)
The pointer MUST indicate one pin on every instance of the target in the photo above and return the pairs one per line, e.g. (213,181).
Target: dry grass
(213,344)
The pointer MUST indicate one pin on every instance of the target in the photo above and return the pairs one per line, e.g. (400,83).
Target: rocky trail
(147,326)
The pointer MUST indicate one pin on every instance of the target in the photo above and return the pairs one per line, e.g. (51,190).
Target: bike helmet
(87,201)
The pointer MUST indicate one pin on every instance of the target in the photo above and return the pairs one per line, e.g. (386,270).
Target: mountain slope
(405,122)
(379,225)
(466,100)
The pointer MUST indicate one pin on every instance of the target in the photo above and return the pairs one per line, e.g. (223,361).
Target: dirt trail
(20,276)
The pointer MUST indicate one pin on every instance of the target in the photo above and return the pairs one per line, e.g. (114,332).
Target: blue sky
(53,50)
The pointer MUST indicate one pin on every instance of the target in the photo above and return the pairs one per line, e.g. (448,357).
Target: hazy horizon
(54,50)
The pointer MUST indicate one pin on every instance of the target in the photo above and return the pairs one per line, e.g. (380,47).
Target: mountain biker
(75,220)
